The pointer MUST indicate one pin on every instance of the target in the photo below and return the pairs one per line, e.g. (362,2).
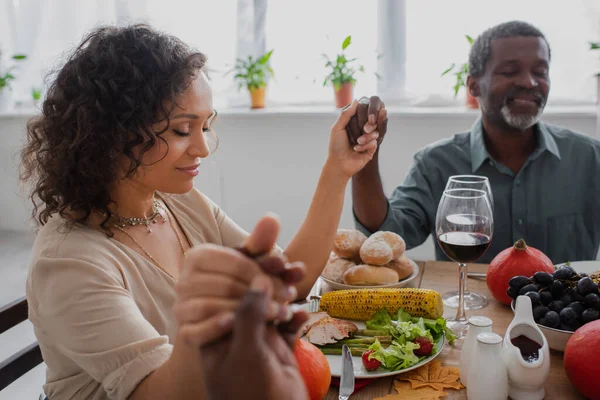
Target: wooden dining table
(443,277)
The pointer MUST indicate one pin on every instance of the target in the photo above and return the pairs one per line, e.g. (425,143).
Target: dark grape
(519,281)
(568,316)
(512,292)
(592,300)
(543,278)
(539,312)
(546,298)
(577,297)
(556,306)
(565,298)
(552,319)
(534,296)
(564,273)
(532,287)
(557,289)
(590,315)
(586,285)
(578,307)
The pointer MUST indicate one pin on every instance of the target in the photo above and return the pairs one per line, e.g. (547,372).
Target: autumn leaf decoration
(433,375)
(426,383)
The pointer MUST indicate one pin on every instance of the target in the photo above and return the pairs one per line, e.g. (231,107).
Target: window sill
(402,111)
(584,111)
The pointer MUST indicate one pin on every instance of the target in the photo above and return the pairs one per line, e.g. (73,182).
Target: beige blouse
(102,313)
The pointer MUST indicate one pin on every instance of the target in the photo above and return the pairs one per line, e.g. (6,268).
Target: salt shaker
(487,379)
(477,325)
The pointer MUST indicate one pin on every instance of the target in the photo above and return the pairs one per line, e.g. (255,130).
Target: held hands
(256,362)
(356,134)
(215,279)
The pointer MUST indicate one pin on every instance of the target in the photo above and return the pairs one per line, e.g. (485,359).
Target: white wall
(270,161)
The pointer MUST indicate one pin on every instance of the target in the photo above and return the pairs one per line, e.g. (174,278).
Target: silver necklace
(157,211)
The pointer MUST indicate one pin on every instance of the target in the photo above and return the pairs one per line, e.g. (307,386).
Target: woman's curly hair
(117,83)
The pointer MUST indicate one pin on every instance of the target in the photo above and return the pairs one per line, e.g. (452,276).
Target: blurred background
(270,157)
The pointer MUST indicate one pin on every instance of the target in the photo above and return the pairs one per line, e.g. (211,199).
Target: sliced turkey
(330,330)
(312,319)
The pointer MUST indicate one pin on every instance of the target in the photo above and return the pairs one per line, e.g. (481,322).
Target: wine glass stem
(462,273)
(466,280)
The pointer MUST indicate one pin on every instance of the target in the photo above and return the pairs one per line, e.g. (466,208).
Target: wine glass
(473,301)
(464,225)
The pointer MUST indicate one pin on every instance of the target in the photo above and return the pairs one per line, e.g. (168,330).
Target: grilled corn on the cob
(362,304)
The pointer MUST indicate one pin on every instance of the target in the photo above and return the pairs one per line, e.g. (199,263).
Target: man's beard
(520,122)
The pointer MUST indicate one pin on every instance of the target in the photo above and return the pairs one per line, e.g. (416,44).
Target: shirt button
(492,163)
(518,182)
(520,221)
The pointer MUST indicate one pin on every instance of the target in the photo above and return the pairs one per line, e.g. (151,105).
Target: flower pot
(5,100)
(257,95)
(471,101)
(343,96)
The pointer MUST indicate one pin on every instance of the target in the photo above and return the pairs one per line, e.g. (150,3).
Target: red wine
(464,247)
(529,348)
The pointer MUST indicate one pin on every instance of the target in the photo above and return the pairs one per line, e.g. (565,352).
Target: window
(435,38)
(208,26)
(48,30)
(301,31)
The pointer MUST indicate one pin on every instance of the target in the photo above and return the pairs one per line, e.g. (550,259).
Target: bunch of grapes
(563,300)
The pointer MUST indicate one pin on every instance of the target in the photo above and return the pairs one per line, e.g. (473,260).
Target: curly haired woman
(120,299)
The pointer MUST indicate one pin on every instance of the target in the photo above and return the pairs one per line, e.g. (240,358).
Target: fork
(313,306)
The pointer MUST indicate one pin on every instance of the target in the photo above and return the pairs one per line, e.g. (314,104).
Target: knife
(347,379)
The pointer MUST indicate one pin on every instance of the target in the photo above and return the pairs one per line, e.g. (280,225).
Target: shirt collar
(479,153)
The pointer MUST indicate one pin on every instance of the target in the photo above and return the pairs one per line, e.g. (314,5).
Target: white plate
(335,362)
(584,266)
(403,283)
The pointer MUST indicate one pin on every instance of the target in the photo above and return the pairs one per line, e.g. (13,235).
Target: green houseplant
(461,71)
(6,76)
(341,75)
(254,73)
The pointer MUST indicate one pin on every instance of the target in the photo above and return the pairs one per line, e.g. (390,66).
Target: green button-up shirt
(553,202)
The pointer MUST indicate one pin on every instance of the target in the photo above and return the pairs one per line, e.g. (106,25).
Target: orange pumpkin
(314,369)
(519,259)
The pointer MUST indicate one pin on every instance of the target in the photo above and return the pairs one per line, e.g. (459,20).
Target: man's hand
(371,116)
(256,362)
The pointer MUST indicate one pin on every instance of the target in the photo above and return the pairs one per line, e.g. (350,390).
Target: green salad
(413,339)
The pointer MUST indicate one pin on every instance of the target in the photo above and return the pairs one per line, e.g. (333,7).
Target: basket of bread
(376,261)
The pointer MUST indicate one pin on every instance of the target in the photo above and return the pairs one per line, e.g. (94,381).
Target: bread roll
(336,267)
(367,275)
(403,267)
(382,247)
(347,244)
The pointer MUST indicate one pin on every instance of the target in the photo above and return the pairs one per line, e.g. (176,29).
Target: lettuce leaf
(381,321)
(396,356)
(439,327)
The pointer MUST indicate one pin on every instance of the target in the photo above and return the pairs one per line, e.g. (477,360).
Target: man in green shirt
(545,180)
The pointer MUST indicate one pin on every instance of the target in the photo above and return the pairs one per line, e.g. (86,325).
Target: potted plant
(596,46)
(5,78)
(254,75)
(341,76)
(461,72)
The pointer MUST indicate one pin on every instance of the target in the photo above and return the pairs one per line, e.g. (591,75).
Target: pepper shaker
(488,379)
(477,325)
